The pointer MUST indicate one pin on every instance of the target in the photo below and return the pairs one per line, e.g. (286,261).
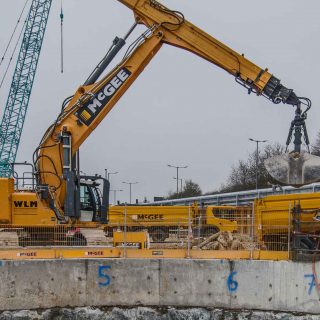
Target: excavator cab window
(85,201)
(93,203)
(89,203)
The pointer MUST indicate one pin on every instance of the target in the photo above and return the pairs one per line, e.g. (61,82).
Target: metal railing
(28,179)
(237,198)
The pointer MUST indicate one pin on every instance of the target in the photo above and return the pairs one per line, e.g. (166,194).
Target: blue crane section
(21,85)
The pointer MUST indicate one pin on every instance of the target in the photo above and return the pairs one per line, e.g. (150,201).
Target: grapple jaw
(294,169)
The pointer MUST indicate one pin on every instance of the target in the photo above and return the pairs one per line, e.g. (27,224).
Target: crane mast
(21,86)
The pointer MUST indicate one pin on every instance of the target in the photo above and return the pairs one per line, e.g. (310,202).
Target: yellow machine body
(168,216)
(148,216)
(227,218)
(269,216)
(28,210)
(274,214)
(23,207)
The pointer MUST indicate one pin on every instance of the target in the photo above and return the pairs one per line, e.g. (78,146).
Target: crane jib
(89,111)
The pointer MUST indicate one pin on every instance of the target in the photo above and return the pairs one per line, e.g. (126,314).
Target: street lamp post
(130,184)
(181,182)
(115,195)
(177,167)
(109,173)
(257,158)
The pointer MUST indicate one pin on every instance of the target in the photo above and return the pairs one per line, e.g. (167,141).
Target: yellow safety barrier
(103,253)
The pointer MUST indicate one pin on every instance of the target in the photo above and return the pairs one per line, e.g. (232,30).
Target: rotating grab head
(294,169)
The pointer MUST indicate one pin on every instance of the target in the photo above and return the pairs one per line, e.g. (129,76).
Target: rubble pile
(227,241)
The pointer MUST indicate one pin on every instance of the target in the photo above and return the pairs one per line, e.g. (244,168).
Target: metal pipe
(189,231)
(177,168)
(125,232)
(118,44)
(289,229)
(252,231)
(130,184)
(257,158)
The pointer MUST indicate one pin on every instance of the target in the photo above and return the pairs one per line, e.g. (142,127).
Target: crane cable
(13,33)
(13,53)
(61,20)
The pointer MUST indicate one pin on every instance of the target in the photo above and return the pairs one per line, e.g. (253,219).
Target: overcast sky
(182,110)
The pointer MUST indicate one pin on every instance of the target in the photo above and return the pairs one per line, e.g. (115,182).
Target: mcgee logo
(91,109)
(150,217)
(26,254)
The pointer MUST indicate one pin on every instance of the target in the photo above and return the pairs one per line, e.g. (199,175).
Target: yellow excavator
(57,198)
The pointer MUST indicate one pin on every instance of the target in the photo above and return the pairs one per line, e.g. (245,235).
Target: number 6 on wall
(232,284)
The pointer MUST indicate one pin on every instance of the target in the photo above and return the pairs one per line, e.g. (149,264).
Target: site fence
(211,232)
(225,229)
(223,232)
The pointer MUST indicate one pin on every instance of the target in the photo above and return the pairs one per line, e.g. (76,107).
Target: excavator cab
(94,203)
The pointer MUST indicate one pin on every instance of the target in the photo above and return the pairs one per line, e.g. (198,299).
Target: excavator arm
(55,158)
(183,34)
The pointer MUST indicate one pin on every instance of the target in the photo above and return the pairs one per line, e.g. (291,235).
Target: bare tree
(190,189)
(243,174)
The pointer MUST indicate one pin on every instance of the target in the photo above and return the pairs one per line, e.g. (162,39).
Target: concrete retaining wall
(265,285)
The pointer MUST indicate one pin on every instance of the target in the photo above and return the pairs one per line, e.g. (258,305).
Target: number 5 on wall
(102,274)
